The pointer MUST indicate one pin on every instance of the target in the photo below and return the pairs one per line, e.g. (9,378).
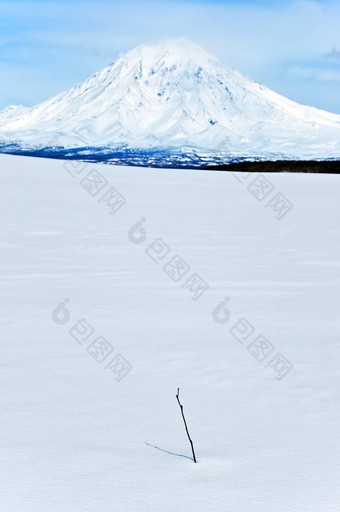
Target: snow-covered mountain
(174,95)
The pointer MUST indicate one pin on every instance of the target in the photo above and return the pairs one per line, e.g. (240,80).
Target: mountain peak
(180,47)
(181,51)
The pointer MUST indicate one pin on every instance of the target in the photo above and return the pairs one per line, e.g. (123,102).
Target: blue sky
(292,47)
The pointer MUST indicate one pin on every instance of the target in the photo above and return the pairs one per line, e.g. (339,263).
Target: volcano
(170,103)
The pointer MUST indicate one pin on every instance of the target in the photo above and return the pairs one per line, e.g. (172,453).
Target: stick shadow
(170,453)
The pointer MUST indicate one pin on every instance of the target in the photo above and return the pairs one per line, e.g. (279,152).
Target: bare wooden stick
(186,427)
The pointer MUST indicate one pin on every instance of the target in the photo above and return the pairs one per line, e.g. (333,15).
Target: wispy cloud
(319,74)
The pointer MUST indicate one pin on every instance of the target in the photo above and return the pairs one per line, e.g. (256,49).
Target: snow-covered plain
(73,439)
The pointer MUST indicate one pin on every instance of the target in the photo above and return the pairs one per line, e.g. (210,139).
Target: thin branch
(186,427)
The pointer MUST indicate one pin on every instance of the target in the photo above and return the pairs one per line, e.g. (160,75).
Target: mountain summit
(174,95)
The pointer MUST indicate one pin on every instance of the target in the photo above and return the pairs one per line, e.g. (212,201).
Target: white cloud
(315,73)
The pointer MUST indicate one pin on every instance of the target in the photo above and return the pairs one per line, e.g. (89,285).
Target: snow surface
(73,439)
(176,95)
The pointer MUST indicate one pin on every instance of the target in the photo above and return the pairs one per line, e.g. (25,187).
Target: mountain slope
(11,113)
(175,95)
